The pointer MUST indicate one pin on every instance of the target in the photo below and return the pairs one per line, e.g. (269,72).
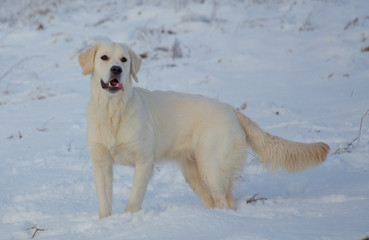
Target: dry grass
(350,146)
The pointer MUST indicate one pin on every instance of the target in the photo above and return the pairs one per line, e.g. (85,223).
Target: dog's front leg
(142,176)
(103,178)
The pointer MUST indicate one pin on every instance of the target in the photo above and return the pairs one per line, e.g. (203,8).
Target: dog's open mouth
(112,86)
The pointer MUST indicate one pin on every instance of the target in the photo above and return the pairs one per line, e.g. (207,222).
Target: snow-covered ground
(297,64)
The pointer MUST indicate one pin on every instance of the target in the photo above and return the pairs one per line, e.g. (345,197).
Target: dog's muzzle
(114,85)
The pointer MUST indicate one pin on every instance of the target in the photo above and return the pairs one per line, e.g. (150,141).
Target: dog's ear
(87,59)
(135,64)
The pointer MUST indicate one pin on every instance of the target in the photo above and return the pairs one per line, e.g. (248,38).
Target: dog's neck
(110,105)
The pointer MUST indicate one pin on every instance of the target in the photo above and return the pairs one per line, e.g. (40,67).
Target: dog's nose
(116,70)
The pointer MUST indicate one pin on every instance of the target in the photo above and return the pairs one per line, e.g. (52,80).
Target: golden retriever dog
(136,127)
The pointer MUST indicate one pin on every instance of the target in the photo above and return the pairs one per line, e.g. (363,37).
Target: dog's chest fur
(105,117)
(114,125)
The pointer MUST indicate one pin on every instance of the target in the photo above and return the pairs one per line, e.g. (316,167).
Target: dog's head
(111,65)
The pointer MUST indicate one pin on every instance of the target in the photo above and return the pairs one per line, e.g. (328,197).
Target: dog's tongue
(116,83)
(121,87)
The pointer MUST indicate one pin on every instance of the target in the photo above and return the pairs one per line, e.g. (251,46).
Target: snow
(297,64)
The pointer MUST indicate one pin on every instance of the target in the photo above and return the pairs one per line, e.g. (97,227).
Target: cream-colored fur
(208,139)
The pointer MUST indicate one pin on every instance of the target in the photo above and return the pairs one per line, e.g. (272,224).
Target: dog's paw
(104,214)
(132,208)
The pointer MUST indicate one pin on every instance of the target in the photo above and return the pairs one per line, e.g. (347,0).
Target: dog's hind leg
(229,196)
(215,182)
(192,176)
(217,191)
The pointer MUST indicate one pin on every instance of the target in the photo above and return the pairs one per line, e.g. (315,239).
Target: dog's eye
(123,59)
(105,58)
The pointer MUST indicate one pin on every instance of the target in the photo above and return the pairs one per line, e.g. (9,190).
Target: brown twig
(365,49)
(253,199)
(36,230)
(351,23)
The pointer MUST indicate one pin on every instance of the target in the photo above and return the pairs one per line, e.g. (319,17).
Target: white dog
(136,127)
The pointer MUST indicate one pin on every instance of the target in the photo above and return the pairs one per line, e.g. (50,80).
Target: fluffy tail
(277,153)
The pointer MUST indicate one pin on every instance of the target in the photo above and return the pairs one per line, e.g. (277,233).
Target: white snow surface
(297,64)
